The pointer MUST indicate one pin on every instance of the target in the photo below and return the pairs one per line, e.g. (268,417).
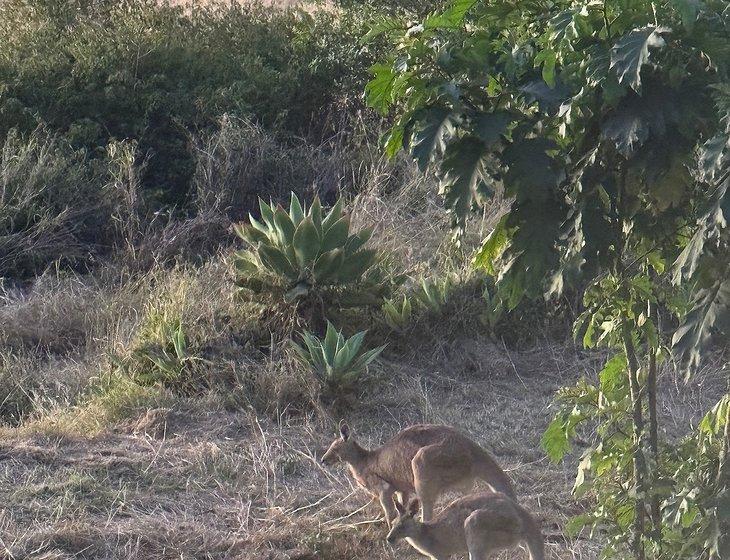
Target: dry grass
(195,480)
(102,467)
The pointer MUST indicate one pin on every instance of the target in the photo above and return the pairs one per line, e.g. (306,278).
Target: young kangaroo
(480,524)
(424,459)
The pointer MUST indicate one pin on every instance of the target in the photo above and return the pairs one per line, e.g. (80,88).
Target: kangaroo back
(490,472)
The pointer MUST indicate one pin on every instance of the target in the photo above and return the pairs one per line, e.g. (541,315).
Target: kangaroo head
(343,448)
(405,524)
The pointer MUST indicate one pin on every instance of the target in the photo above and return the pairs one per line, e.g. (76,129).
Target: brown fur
(481,524)
(425,460)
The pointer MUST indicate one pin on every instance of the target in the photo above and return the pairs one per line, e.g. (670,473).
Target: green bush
(152,72)
(163,356)
(52,203)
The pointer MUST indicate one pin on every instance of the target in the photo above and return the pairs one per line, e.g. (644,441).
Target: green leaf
(328,265)
(631,52)
(549,99)
(384,25)
(688,10)
(711,224)
(331,342)
(315,212)
(357,240)
(274,259)
(490,126)
(547,58)
(367,358)
(356,264)
(346,354)
(250,234)
(267,213)
(258,226)
(612,375)
(379,90)
(336,235)
(563,25)
(452,17)
(245,262)
(306,243)
(295,210)
(714,156)
(588,340)
(284,226)
(532,173)
(576,523)
(394,141)
(333,215)
(692,337)
(429,138)
(532,252)
(463,178)
(638,118)
(492,247)
(555,439)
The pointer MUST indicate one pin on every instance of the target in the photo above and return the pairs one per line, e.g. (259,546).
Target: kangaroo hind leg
(436,468)
(483,537)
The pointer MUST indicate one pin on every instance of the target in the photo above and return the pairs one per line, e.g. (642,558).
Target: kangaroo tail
(532,536)
(491,473)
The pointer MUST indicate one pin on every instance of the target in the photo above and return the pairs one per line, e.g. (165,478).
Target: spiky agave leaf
(307,244)
(315,212)
(284,227)
(296,212)
(337,234)
(333,215)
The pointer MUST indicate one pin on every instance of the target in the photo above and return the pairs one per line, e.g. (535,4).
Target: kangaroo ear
(399,505)
(344,430)
(413,506)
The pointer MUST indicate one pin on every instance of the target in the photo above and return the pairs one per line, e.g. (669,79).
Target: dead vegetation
(223,462)
(197,480)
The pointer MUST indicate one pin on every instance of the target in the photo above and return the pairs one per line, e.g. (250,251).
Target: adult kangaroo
(425,460)
(481,524)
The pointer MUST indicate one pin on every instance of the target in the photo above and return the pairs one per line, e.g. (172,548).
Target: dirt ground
(197,481)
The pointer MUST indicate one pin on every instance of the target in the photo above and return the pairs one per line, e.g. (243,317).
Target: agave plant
(164,359)
(433,294)
(493,309)
(398,314)
(302,248)
(336,360)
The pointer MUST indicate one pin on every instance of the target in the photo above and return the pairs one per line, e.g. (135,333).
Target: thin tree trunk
(639,464)
(651,382)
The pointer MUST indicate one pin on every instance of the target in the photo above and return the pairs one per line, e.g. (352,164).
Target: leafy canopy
(607,125)
(593,117)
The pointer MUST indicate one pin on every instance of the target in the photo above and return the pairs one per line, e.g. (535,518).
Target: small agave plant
(302,248)
(398,314)
(433,294)
(336,360)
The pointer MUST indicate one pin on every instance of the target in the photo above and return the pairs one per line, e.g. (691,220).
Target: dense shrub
(142,70)
(52,203)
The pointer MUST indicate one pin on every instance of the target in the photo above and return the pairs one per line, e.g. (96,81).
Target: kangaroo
(424,459)
(480,524)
